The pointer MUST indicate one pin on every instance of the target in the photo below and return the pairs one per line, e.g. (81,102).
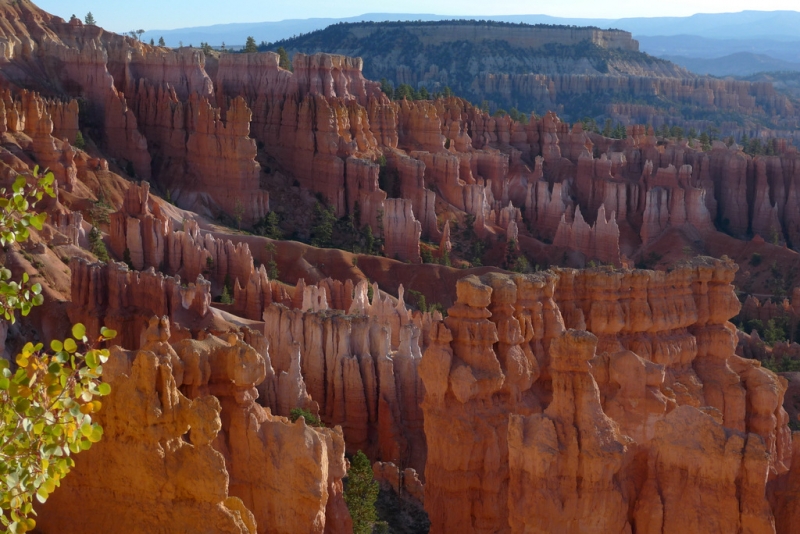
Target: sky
(119,16)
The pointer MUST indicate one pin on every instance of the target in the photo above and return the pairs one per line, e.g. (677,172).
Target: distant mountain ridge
(579,73)
(775,25)
(737,64)
(489,61)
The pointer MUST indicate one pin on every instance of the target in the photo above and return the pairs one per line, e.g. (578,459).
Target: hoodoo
(277,268)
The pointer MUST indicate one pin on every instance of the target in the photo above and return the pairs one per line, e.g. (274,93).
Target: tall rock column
(466,413)
(565,465)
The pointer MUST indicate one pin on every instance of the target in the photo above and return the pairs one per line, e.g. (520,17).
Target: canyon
(606,392)
(577,72)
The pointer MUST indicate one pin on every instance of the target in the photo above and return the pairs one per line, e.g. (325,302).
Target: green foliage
(360,494)
(607,128)
(311,419)
(80,142)
(272,265)
(238,213)
(755,259)
(161,42)
(417,299)
(250,46)
(89,19)
(404,91)
(774,237)
(322,230)
(46,409)
(227,290)
(47,402)
(225,298)
(783,365)
(774,333)
(16,219)
(97,246)
(426,255)
(467,243)
(514,261)
(387,88)
(283,59)
(705,142)
(205,47)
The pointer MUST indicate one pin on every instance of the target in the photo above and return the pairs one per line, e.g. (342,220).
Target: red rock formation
(600,241)
(564,464)
(301,491)
(351,373)
(401,230)
(664,349)
(124,300)
(159,478)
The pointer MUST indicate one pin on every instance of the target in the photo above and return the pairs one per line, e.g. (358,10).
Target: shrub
(755,259)
(80,142)
(360,494)
(46,404)
(322,231)
(225,298)
(97,245)
(311,419)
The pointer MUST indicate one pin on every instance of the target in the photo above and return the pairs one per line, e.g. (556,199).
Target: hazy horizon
(159,15)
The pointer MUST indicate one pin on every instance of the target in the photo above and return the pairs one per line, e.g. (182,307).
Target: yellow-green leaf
(70,345)
(78,331)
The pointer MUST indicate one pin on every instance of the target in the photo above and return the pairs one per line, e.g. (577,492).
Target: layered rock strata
(627,362)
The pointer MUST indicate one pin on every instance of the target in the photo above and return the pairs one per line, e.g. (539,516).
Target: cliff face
(618,367)
(198,124)
(215,435)
(550,68)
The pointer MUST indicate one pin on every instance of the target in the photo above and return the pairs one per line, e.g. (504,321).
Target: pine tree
(89,19)
(283,61)
(250,46)
(161,42)
(361,493)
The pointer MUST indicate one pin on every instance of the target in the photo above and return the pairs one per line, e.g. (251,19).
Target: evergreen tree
(152,42)
(80,142)
(89,19)
(250,46)
(607,128)
(97,245)
(387,88)
(322,231)
(161,42)
(745,141)
(361,493)
(705,142)
(283,61)
(225,298)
